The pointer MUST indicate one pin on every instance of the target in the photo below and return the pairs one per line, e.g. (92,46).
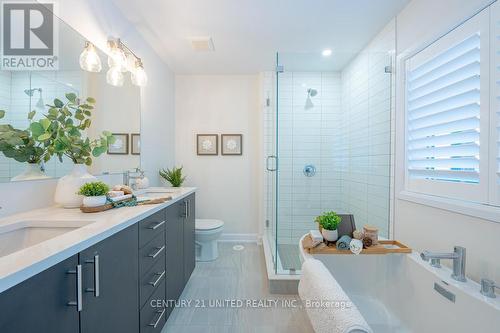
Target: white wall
(228,186)
(96,20)
(423,227)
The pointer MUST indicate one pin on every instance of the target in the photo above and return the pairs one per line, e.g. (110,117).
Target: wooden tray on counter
(383,247)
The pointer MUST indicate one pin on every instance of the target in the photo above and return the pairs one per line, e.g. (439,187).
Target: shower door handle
(268,159)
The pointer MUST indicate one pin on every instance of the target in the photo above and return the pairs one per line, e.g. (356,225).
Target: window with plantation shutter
(447,111)
(495,105)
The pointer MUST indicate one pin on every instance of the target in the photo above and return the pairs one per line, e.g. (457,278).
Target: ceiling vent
(202,43)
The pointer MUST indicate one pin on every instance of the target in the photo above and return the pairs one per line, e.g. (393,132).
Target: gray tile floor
(235,275)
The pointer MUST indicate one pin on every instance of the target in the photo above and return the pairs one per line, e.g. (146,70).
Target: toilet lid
(208,224)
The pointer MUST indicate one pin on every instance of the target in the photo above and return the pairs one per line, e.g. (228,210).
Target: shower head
(40,104)
(311,92)
(31,92)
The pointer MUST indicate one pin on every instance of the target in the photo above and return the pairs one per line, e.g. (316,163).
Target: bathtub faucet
(458,257)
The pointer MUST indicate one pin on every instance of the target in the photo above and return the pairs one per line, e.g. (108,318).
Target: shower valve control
(309,170)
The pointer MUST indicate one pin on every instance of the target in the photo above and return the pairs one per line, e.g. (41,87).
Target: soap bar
(120,198)
(316,236)
(114,194)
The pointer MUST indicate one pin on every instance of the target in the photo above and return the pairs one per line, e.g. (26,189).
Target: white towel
(356,246)
(329,308)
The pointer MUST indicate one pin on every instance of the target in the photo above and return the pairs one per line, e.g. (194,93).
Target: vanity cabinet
(110,284)
(189,237)
(175,252)
(40,304)
(117,285)
(152,271)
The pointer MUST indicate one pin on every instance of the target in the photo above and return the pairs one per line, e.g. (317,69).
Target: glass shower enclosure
(327,141)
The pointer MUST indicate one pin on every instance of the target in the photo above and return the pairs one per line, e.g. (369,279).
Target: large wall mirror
(117,109)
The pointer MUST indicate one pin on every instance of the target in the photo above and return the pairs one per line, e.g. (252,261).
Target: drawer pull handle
(96,289)
(158,251)
(79,296)
(158,279)
(157,321)
(157,225)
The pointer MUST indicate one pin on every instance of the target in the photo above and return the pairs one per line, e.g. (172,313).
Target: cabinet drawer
(152,279)
(151,253)
(153,318)
(151,227)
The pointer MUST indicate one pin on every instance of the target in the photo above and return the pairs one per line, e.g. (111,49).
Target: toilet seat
(207,224)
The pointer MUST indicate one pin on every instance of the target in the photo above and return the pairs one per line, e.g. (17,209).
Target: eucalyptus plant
(66,123)
(27,145)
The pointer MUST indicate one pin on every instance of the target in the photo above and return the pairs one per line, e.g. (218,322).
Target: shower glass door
(331,132)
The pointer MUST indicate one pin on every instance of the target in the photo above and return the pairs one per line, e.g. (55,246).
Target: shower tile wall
(366,133)
(307,136)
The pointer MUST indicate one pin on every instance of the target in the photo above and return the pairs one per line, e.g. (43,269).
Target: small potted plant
(94,194)
(329,222)
(173,176)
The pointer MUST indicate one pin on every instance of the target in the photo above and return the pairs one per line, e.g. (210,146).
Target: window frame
(488,205)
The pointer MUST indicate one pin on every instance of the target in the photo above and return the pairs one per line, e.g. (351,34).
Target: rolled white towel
(356,246)
(336,313)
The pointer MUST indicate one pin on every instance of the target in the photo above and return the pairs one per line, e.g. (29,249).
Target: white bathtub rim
(470,287)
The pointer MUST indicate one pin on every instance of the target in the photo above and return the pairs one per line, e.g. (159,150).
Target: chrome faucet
(127,177)
(488,288)
(458,257)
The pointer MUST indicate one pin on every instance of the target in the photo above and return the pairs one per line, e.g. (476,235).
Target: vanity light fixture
(114,76)
(89,59)
(138,75)
(121,59)
(117,57)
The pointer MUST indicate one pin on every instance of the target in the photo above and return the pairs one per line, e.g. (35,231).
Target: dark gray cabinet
(117,285)
(110,284)
(175,253)
(40,304)
(189,238)
(152,272)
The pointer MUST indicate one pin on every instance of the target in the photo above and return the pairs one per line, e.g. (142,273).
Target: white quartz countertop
(21,265)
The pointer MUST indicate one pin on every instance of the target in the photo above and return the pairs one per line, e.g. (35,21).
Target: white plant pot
(69,185)
(94,201)
(330,235)
(32,172)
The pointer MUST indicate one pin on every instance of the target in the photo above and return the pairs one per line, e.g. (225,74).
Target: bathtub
(395,293)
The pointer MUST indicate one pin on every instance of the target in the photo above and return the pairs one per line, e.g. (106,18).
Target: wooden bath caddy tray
(383,247)
(109,206)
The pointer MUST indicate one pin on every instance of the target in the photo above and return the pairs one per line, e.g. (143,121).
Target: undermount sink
(155,193)
(23,234)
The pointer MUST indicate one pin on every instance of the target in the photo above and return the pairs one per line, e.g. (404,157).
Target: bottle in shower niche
(372,233)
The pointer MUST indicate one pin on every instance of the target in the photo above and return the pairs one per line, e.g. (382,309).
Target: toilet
(207,233)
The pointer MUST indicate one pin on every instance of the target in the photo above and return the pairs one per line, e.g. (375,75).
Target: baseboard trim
(242,238)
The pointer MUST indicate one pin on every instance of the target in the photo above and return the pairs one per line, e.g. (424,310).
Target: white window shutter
(495,106)
(447,111)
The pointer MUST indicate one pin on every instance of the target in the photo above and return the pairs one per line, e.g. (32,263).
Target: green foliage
(65,124)
(329,220)
(30,145)
(94,189)
(173,176)
(60,132)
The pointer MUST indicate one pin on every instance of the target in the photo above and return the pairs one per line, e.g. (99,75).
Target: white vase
(330,235)
(33,171)
(94,201)
(69,185)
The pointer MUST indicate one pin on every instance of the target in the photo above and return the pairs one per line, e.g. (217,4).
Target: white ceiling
(248,33)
